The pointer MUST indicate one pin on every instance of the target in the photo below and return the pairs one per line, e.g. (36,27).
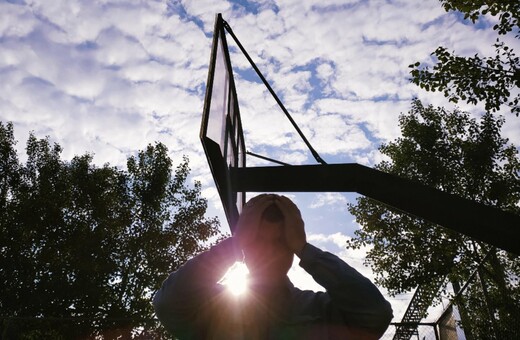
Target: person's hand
(249,219)
(294,227)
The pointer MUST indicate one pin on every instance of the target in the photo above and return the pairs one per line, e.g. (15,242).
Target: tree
(454,153)
(83,248)
(492,80)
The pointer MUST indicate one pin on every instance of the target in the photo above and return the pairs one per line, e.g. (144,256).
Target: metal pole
(437,337)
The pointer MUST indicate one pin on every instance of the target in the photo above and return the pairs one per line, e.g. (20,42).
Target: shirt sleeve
(351,294)
(187,291)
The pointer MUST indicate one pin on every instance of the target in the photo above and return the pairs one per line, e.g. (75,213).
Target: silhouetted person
(191,304)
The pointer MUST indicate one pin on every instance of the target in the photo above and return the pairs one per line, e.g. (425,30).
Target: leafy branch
(508,12)
(473,79)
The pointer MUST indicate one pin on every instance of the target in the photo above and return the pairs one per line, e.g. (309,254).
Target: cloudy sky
(109,77)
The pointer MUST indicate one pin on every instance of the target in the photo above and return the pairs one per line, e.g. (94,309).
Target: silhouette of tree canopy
(452,152)
(83,248)
(492,80)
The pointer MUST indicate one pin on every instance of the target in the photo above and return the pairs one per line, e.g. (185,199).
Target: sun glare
(235,278)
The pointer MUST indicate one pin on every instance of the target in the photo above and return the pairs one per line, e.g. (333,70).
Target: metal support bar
(476,220)
(463,289)
(257,70)
(266,158)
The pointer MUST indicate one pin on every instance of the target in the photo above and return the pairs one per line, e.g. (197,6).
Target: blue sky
(109,77)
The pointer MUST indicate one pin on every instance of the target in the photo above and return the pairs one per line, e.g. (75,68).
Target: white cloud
(293,158)
(205,11)
(339,239)
(325,71)
(332,200)
(16,22)
(117,49)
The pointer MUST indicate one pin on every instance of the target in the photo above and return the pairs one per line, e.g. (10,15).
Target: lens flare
(235,278)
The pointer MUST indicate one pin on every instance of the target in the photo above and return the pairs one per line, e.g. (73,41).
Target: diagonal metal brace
(270,89)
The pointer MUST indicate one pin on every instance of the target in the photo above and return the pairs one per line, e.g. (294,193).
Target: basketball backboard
(221,130)
(223,142)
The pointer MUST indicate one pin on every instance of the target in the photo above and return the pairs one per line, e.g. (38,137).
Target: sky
(109,77)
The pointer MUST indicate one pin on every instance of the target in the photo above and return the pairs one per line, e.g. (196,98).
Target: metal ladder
(416,310)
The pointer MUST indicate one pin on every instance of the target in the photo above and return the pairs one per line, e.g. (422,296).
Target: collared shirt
(192,305)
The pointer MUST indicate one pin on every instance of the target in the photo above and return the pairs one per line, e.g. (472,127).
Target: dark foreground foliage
(452,152)
(83,248)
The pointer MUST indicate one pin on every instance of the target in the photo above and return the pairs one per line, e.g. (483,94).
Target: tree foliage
(508,12)
(452,152)
(82,248)
(492,80)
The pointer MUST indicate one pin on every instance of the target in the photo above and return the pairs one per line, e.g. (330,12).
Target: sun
(235,279)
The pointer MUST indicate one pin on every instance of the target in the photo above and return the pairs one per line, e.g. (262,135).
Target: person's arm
(186,293)
(360,305)
(355,297)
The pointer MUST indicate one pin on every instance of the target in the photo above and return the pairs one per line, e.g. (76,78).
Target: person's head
(268,258)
